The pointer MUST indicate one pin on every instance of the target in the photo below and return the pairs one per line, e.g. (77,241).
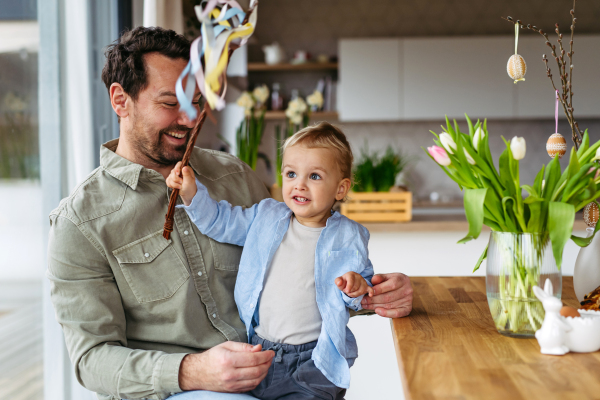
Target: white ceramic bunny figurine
(551,336)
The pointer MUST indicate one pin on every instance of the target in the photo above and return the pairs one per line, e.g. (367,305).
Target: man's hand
(229,367)
(353,284)
(393,295)
(186,184)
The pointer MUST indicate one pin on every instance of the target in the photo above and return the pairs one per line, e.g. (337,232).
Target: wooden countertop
(448,348)
(438,224)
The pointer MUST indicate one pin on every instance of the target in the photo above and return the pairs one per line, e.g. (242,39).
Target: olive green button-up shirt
(131,303)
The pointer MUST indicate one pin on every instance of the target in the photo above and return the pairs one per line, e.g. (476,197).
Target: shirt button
(146,255)
(199,273)
(186,233)
(214,315)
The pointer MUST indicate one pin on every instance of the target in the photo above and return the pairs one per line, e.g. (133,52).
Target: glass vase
(516,262)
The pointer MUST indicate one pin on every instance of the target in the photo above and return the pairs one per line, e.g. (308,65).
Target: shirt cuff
(195,199)
(166,375)
(353,302)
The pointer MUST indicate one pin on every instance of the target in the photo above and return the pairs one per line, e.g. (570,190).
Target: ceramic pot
(274,53)
(586,276)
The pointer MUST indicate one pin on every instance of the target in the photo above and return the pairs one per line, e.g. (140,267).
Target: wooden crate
(378,207)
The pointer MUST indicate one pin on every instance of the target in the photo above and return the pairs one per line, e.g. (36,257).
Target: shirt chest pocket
(342,261)
(226,256)
(151,267)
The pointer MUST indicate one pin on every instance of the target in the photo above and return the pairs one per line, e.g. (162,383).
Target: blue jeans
(205,395)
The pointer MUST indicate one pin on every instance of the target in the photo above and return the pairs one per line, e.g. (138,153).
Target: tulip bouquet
(494,197)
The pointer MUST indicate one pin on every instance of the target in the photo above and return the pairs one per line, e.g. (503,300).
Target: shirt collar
(119,167)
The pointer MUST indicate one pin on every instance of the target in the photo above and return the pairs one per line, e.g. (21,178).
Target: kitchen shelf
(320,115)
(292,67)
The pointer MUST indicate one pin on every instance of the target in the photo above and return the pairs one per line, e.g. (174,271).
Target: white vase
(586,276)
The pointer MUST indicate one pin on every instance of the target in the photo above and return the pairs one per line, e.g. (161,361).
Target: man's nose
(184,120)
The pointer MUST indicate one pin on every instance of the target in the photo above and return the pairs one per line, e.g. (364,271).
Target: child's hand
(186,185)
(353,284)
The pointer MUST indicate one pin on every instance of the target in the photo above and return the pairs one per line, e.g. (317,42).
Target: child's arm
(218,220)
(355,285)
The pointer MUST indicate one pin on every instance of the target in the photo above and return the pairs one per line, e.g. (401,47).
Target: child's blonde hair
(326,136)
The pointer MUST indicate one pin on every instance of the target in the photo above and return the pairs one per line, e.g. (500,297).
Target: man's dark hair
(125,57)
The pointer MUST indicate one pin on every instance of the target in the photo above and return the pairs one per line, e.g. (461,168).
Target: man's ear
(343,189)
(121,102)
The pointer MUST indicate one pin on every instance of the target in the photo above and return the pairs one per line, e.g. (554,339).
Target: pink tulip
(439,155)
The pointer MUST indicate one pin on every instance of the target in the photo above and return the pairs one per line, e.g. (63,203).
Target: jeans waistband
(280,348)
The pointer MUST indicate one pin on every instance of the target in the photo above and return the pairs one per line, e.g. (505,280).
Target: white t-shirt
(288,311)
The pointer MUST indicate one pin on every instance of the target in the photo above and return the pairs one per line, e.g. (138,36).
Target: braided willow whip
(168,228)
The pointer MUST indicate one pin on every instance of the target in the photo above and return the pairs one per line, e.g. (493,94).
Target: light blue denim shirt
(341,247)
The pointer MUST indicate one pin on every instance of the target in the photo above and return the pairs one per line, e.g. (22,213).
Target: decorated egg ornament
(516,68)
(591,214)
(556,145)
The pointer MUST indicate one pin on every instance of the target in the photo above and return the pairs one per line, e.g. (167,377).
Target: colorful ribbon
(219,27)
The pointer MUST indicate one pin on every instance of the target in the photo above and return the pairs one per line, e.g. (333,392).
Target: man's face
(157,130)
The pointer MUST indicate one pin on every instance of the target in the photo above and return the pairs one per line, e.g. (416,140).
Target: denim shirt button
(186,233)
(214,315)
(146,255)
(199,273)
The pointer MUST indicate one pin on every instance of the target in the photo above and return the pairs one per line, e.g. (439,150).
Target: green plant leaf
(474,199)
(552,176)
(561,217)
(585,144)
(482,257)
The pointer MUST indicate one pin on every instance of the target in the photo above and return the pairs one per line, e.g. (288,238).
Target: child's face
(312,181)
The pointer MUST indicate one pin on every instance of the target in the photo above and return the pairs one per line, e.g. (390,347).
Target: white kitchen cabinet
(427,78)
(370,74)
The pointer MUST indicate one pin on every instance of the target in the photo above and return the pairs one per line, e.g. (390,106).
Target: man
(146,317)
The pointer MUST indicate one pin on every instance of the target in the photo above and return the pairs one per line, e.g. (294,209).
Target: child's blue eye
(314,176)
(291,174)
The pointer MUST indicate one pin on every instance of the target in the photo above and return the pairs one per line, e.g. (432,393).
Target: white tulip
(517,146)
(543,184)
(479,134)
(469,158)
(447,142)
(597,155)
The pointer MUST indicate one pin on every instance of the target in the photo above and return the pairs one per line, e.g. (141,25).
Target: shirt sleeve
(220,220)
(366,272)
(88,307)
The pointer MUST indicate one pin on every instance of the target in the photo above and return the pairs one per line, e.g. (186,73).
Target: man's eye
(170,104)
(291,174)
(315,176)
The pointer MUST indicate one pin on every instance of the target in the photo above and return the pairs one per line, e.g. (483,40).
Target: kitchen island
(448,348)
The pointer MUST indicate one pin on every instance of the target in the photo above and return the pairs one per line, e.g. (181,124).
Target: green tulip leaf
(481,258)
(585,144)
(474,200)
(561,217)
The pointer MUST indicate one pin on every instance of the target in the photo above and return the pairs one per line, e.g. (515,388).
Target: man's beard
(156,149)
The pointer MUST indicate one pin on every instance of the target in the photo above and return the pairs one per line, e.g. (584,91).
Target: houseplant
(250,132)
(371,199)
(529,233)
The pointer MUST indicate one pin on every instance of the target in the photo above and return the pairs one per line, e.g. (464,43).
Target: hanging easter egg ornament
(591,214)
(556,144)
(516,66)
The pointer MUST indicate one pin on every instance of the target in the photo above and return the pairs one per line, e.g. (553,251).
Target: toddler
(302,266)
